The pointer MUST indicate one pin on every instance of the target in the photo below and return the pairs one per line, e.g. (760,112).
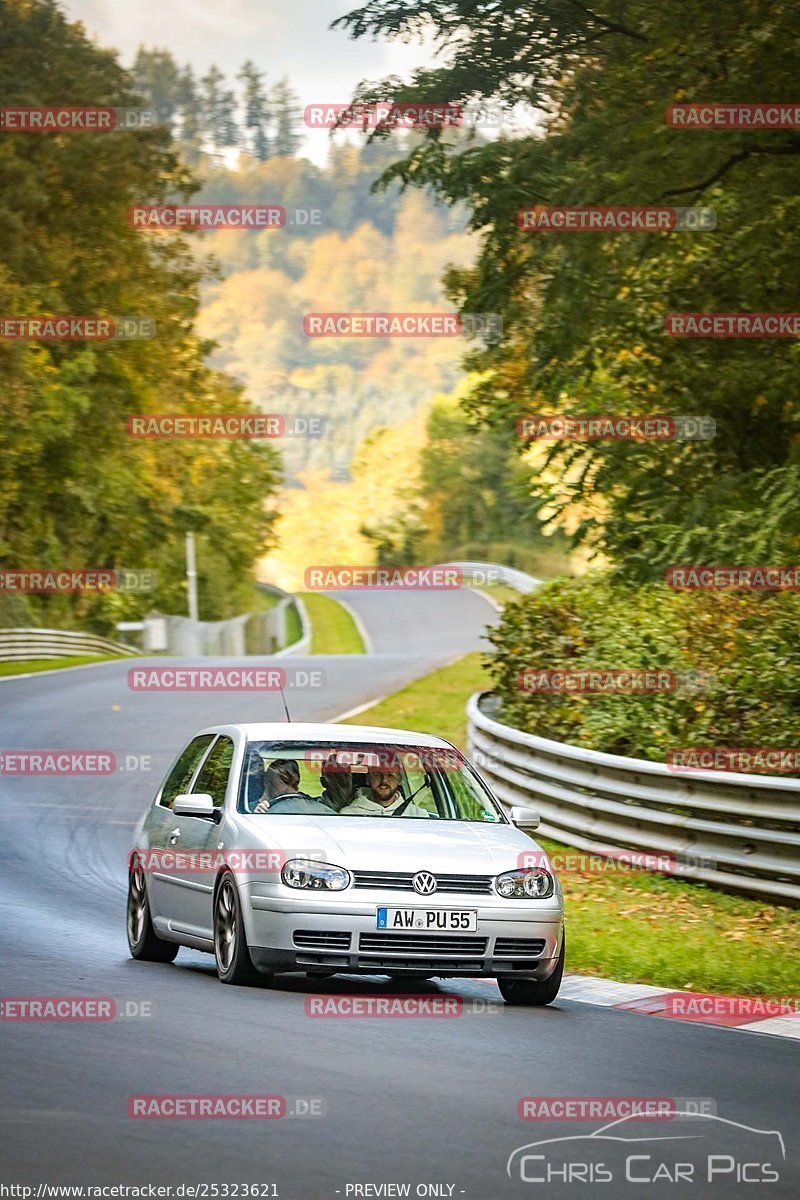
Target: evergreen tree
(286,118)
(256,115)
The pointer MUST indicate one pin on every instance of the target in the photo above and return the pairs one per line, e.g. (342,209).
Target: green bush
(747,642)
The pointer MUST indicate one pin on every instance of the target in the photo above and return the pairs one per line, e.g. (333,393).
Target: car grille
(418,965)
(321,939)
(518,947)
(421,943)
(401,881)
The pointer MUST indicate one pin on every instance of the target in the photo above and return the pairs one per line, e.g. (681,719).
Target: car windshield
(363,780)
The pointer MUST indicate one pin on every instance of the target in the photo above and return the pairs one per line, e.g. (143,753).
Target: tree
(75,489)
(189,117)
(584,313)
(256,115)
(218,107)
(157,77)
(286,118)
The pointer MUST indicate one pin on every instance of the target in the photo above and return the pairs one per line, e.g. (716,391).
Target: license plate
(437,920)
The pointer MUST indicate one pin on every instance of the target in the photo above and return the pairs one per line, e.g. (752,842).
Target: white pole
(191,576)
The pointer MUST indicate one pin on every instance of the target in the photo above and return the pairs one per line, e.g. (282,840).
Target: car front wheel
(534,991)
(234,964)
(144,942)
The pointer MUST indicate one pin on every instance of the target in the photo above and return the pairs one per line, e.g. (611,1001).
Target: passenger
(338,787)
(384,796)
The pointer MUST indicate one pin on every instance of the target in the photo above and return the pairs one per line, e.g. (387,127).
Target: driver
(384,794)
(282,791)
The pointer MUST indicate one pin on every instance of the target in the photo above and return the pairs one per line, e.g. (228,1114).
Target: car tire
(231,952)
(528,992)
(144,942)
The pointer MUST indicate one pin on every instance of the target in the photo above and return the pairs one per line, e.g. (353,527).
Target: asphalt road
(406,1101)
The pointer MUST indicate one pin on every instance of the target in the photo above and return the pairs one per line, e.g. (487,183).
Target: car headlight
(532,884)
(315,876)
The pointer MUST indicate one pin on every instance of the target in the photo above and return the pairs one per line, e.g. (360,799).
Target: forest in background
(399,446)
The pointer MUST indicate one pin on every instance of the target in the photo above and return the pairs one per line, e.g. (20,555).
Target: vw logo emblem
(424,883)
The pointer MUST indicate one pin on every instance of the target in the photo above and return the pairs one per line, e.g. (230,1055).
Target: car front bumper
(289,931)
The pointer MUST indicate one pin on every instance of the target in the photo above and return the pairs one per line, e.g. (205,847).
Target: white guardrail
(740,831)
(19,645)
(481,573)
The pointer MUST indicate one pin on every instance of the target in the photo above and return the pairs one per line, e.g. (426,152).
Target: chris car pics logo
(700,1148)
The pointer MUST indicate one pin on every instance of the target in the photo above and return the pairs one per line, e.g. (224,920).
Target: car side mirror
(524,817)
(198,804)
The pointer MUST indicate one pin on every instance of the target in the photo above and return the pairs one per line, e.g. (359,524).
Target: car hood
(385,844)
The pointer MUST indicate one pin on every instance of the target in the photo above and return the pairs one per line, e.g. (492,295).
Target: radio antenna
(285,705)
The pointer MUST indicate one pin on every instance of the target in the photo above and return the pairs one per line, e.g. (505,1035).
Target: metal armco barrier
(20,645)
(733,830)
(482,572)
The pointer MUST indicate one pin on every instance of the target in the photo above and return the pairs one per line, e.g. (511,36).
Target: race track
(407,1101)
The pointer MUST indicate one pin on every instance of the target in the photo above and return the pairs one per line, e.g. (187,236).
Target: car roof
(297,731)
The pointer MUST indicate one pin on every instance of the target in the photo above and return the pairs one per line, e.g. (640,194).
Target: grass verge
(333,630)
(51,664)
(501,593)
(633,926)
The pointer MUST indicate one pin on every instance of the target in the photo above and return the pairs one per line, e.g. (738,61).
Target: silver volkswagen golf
(332,848)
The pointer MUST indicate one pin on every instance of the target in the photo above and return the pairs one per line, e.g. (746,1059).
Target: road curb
(647,1000)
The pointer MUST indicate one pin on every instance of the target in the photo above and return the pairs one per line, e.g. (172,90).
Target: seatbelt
(401,808)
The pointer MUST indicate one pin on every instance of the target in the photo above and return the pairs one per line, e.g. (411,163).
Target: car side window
(213,777)
(180,776)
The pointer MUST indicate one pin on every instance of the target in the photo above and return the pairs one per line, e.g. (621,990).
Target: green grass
(638,926)
(434,704)
(634,926)
(294,630)
(263,600)
(333,630)
(52,664)
(502,593)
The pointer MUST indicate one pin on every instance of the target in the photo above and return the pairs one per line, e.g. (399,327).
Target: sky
(283,37)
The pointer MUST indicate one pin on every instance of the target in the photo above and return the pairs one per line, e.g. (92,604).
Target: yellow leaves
(623,293)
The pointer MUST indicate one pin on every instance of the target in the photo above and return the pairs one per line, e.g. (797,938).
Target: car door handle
(173,837)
